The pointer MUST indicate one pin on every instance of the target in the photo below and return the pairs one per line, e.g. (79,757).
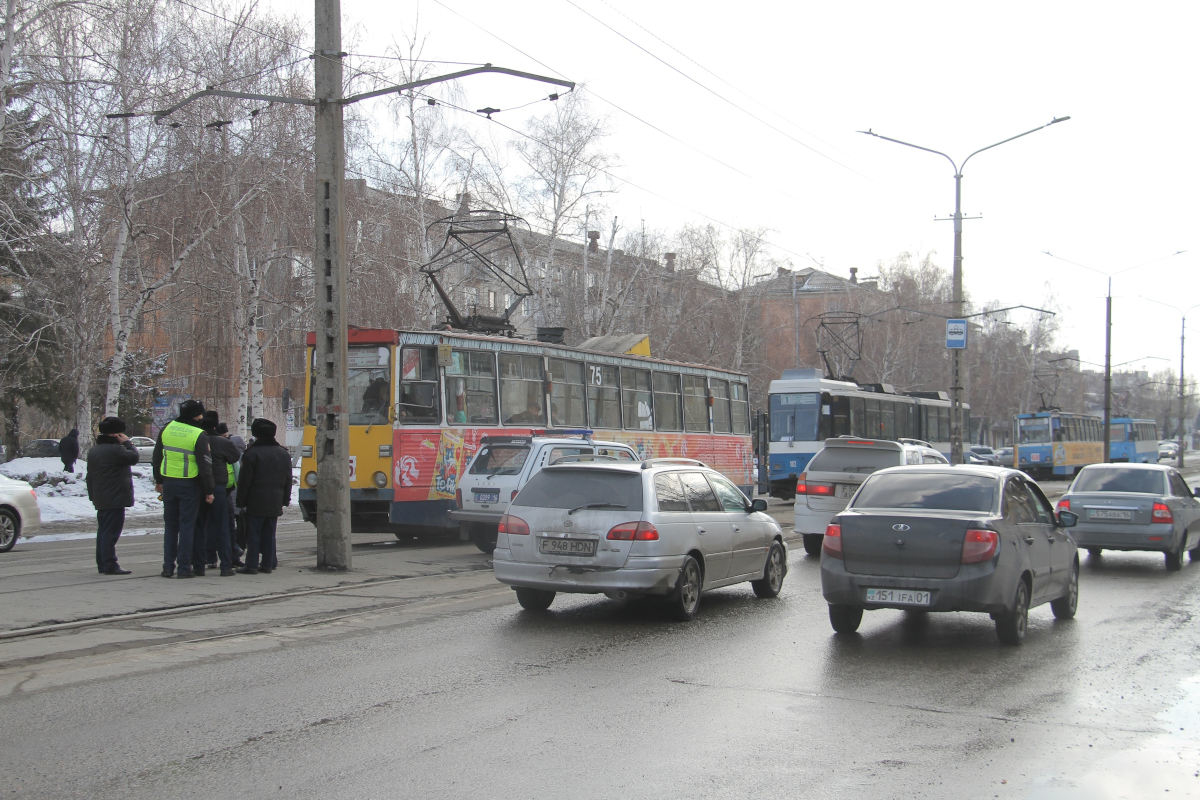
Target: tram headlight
(310,480)
(380,479)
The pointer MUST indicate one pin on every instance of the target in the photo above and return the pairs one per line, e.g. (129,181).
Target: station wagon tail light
(633,532)
(831,545)
(819,489)
(1161,513)
(1063,505)
(513,526)
(513,496)
(979,545)
(458,498)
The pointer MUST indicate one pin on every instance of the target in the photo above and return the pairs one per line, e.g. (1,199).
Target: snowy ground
(63,495)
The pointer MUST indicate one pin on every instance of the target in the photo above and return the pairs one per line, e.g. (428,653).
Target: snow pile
(63,495)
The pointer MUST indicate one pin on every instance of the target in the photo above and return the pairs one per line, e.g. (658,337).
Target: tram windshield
(794,416)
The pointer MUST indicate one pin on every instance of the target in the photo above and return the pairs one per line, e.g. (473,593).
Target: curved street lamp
(956,434)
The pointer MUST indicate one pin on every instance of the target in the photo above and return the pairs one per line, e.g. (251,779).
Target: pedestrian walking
(182,464)
(68,450)
(110,488)
(264,487)
(225,455)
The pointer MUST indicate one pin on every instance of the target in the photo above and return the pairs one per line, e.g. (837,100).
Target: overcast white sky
(760,130)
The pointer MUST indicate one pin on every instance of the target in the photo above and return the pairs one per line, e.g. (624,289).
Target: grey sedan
(1135,507)
(950,538)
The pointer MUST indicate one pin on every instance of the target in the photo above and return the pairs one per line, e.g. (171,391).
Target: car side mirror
(1196,492)
(758,505)
(1067,519)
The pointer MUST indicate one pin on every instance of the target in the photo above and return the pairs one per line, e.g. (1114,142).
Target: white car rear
(19,513)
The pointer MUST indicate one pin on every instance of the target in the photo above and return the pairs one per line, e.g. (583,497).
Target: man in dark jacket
(110,488)
(217,534)
(182,465)
(68,450)
(264,487)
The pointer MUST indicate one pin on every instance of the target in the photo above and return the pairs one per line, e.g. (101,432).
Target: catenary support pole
(332,445)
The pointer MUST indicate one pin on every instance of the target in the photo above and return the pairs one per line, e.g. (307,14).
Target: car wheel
(534,599)
(1094,552)
(484,537)
(1011,625)
(1064,607)
(772,580)
(844,619)
(685,600)
(812,543)
(1174,558)
(10,529)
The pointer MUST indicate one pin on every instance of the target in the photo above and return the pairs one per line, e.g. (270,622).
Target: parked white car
(19,514)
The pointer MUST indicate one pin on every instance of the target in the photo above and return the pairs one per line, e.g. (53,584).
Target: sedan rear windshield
(863,461)
(1119,480)
(572,488)
(941,491)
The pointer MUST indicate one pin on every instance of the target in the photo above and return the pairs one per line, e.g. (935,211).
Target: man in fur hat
(110,488)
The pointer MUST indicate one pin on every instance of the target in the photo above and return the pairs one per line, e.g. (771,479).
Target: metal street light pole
(1183,312)
(956,433)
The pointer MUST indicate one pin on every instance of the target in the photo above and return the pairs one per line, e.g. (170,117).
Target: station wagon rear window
(862,460)
(573,488)
(933,490)
(500,460)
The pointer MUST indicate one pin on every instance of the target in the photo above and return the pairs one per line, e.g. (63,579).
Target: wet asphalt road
(466,696)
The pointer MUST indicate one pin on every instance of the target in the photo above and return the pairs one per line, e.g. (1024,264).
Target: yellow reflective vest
(179,450)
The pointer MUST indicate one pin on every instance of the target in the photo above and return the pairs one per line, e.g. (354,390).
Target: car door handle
(1028,540)
(700,530)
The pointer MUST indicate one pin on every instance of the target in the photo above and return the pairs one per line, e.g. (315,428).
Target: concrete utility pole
(332,445)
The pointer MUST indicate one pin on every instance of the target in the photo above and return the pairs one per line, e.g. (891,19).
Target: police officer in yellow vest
(183,477)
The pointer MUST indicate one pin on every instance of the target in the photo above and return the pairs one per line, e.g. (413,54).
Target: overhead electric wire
(708,89)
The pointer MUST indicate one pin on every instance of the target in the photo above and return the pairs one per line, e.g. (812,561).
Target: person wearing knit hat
(110,488)
(264,487)
(182,465)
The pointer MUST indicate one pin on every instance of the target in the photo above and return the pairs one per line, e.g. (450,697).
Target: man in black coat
(264,487)
(110,488)
(68,450)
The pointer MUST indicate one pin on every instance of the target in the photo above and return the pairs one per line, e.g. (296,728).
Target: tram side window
(739,407)
(668,402)
(887,419)
(368,384)
(874,426)
(603,396)
(418,385)
(858,418)
(568,405)
(720,405)
(695,403)
(522,389)
(636,399)
(471,388)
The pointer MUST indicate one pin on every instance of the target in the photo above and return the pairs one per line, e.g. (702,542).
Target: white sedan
(145,448)
(19,514)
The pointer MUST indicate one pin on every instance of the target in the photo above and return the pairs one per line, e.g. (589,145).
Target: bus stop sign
(956,334)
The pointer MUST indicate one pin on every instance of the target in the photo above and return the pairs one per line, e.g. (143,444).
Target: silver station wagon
(950,538)
(671,528)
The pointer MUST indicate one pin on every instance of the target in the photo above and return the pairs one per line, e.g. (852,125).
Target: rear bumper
(806,520)
(1125,537)
(977,588)
(489,517)
(655,575)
